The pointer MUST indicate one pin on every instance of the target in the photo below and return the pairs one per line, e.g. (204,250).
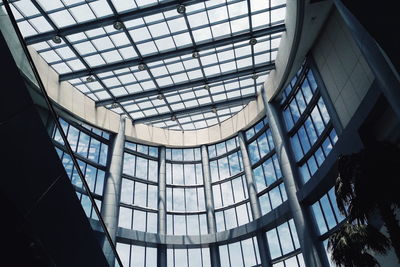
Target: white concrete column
(254,203)
(208,191)
(211,227)
(162,206)
(112,189)
(162,192)
(312,249)
(251,187)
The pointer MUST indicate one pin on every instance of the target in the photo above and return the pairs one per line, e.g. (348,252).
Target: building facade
(254,189)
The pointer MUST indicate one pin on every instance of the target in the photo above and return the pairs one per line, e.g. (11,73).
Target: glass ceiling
(182,70)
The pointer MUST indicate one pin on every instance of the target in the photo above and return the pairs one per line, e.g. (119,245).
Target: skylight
(181,65)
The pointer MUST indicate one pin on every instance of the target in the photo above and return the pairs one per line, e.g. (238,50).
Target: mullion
(130,252)
(89,143)
(244,184)
(270,187)
(181,61)
(332,209)
(197,198)
(297,85)
(77,54)
(165,55)
(33,26)
(233,191)
(136,51)
(80,157)
(270,22)
(236,216)
(308,169)
(77,28)
(132,217)
(223,205)
(228,160)
(312,120)
(320,113)
(273,165)
(241,250)
(294,100)
(140,56)
(267,38)
(298,261)
(280,192)
(323,215)
(198,59)
(145,227)
(214,52)
(307,137)
(116,76)
(95,181)
(291,116)
(230,27)
(187,85)
(26,18)
(279,240)
(252,46)
(291,235)
(258,146)
(316,145)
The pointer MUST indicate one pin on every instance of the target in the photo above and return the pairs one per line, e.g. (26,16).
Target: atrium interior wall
(230,202)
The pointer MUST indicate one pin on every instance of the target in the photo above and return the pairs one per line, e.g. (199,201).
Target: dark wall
(42,222)
(381,19)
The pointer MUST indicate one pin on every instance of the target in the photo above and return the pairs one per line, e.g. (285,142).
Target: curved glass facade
(138,204)
(307,120)
(230,195)
(235,195)
(186,211)
(263,195)
(266,169)
(90,147)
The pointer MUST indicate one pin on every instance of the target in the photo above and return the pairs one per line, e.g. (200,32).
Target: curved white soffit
(303,22)
(83,107)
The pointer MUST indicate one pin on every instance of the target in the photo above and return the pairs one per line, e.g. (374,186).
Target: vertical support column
(312,249)
(211,227)
(254,203)
(162,207)
(383,70)
(112,190)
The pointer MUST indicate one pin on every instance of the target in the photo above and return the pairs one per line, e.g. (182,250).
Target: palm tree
(367,182)
(350,244)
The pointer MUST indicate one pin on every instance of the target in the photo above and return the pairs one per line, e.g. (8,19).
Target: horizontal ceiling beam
(108,20)
(193,83)
(199,109)
(171,54)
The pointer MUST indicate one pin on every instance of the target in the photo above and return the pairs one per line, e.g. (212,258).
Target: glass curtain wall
(266,170)
(90,146)
(284,246)
(137,256)
(307,120)
(188,257)
(139,191)
(240,254)
(312,137)
(186,210)
(228,182)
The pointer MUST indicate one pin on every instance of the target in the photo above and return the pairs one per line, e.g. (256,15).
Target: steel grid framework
(94,78)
